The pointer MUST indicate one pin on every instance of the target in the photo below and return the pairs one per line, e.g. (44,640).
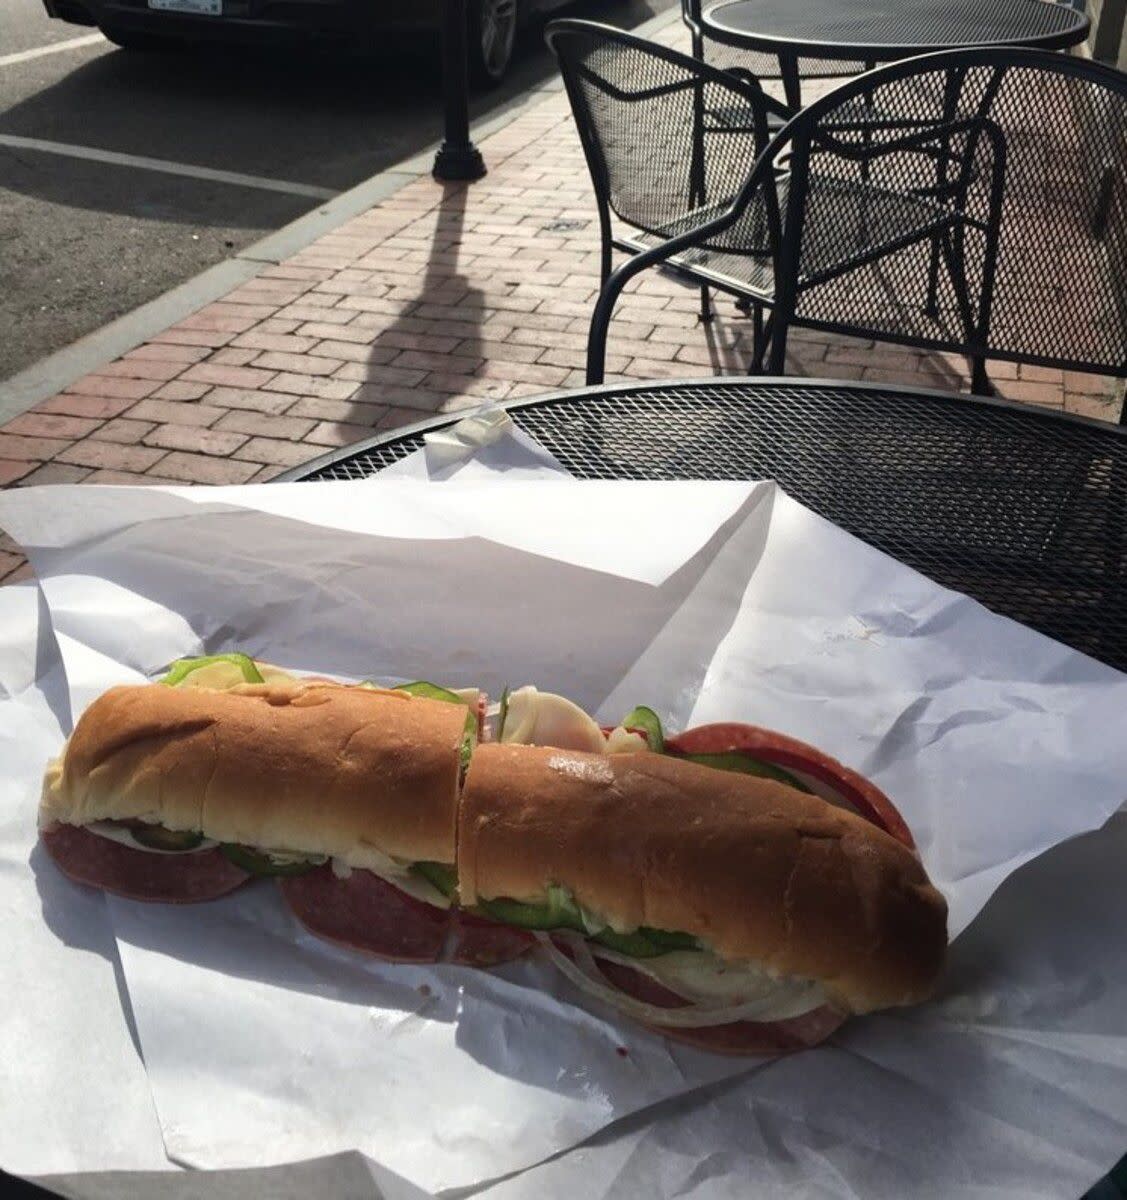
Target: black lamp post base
(458,162)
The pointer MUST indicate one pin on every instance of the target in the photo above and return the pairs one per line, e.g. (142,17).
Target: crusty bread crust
(758,870)
(318,768)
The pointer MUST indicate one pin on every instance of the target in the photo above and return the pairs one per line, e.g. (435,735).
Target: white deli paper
(262,1044)
(73,1093)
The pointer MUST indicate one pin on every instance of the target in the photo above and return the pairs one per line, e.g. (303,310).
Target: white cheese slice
(538,718)
(399,874)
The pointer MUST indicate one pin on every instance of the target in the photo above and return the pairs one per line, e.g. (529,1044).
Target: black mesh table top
(1022,509)
(886,30)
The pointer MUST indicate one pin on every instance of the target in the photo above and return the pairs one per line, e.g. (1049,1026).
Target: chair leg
(597,339)
(600,321)
(758,345)
(777,363)
(931,305)
(604,307)
(980,383)
(705,304)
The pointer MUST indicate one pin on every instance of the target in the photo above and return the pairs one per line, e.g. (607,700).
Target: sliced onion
(729,985)
(585,974)
(821,787)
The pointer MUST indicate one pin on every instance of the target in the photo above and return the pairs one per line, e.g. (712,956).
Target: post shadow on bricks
(440,331)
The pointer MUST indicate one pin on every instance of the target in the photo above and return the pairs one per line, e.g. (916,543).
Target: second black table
(878,31)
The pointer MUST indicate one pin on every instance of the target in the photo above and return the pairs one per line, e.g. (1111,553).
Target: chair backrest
(667,139)
(1056,282)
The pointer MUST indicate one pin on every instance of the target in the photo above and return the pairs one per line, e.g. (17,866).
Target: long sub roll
(754,914)
(727,886)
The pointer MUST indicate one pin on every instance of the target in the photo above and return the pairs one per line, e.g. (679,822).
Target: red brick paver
(438,298)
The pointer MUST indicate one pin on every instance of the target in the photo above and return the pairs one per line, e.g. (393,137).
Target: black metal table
(878,31)
(1023,509)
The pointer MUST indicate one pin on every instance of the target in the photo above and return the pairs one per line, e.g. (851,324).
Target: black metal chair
(678,151)
(669,142)
(1053,279)
(988,217)
(754,63)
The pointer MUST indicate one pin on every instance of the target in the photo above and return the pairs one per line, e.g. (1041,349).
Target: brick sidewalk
(433,301)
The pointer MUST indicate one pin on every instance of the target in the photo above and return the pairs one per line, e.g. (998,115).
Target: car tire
(491,39)
(147,43)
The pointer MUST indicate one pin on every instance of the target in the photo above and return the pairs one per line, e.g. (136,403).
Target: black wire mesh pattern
(1058,286)
(668,149)
(759,63)
(845,220)
(736,272)
(933,196)
(1023,511)
(838,27)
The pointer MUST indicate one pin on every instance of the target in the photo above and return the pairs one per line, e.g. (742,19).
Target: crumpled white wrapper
(264,1044)
(73,1093)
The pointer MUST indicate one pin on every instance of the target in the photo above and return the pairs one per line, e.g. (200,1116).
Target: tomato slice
(731,737)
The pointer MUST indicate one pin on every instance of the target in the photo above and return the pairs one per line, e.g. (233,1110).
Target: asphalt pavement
(123,174)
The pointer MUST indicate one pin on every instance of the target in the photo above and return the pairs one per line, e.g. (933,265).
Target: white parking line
(89,39)
(144,163)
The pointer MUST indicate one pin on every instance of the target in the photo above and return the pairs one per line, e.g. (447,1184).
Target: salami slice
(478,942)
(365,912)
(742,1037)
(138,875)
(731,737)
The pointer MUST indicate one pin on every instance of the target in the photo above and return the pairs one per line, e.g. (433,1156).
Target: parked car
(158,24)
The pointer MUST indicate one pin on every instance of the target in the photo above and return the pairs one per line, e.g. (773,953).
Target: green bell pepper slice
(429,691)
(156,837)
(256,862)
(645,942)
(441,876)
(561,912)
(647,722)
(744,764)
(182,668)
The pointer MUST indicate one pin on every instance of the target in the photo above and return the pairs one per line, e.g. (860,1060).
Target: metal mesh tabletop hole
(1025,513)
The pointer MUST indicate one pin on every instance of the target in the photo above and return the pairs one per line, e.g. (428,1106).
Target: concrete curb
(51,375)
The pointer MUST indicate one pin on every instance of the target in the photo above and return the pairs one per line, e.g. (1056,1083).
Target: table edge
(436,421)
(881,52)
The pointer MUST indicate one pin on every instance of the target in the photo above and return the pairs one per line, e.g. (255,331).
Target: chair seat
(743,274)
(848,221)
